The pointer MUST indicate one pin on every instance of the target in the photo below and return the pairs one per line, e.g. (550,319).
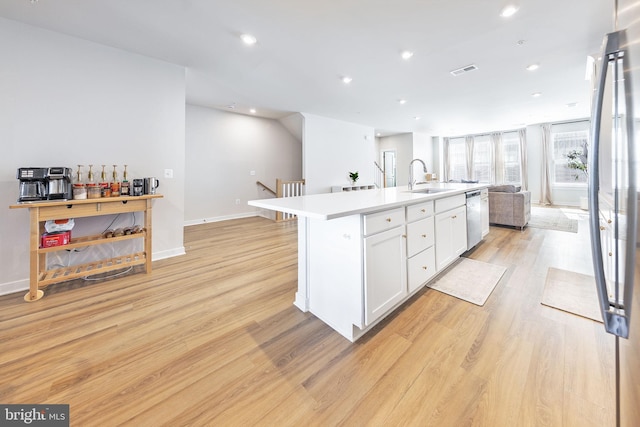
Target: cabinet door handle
(424,267)
(388,219)
(424,235)
(454,217)
(423,210)
(602,227)
(608,221)
(610,254)
(404,235)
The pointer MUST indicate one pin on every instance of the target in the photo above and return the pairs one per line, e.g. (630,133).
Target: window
(457,159)
(511,158)
(496,158)
(482,159)
(563,144)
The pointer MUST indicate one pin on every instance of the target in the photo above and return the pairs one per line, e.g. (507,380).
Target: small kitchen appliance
(138,187)
(150,185)
(59,184)
(33,184)
(44,184)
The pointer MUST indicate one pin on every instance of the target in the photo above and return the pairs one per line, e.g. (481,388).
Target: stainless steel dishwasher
(474,219)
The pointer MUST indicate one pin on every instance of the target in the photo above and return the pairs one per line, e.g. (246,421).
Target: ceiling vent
(465,69)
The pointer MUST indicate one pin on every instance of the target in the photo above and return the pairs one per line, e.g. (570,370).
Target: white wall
(402,144)
(332,149)
(66,101)
(222,149)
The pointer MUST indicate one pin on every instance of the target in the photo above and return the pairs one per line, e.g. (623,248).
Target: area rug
(552,219)
(572,292)
(469,280)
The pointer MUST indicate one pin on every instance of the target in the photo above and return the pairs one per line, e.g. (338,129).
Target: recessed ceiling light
(533,67)
(536,94)
(402,101)
(248,39)
(407,54)
(572,104)
(521,42)
(508,10)
(416,118)
(346,80)
(252,111)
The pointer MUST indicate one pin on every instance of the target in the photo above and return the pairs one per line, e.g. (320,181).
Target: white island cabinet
(451,230)
(385,265)
(362,254)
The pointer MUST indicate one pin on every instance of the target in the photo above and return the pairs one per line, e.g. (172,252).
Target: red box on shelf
(55,239)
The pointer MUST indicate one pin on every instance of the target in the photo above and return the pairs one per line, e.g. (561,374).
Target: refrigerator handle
(613,316)
(631,241)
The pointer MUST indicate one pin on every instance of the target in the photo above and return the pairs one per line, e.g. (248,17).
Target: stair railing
(266,188)
(379,176)
(288,189)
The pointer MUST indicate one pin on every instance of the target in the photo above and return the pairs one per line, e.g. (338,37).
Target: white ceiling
(305,47)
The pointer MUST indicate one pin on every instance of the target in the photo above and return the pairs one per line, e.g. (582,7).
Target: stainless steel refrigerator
(613,201)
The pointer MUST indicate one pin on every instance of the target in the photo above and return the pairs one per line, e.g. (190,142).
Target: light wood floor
(212,338)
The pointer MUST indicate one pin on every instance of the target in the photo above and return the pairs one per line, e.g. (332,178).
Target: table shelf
(83,242)
(82,270)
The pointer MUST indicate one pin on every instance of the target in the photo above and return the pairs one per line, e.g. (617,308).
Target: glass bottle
(115,184)
(79,189)
(124,187)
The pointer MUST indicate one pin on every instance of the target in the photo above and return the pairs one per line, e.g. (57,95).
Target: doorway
(389,165)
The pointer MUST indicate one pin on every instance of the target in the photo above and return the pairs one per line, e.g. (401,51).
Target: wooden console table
(40,212)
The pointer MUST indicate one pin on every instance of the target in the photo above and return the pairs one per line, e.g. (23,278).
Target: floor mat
(572,292)
(469,280)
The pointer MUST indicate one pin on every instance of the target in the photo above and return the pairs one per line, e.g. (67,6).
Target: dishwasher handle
(473,194)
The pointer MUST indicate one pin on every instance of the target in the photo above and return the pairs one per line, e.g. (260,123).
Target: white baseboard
(170,253)
(219,218)
(11,287)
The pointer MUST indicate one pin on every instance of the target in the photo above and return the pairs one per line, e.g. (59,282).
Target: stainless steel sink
(429,190)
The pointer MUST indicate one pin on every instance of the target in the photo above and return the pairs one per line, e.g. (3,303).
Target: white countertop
(336,205)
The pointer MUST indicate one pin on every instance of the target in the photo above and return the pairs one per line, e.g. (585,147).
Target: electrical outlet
(168,173)
(237,201)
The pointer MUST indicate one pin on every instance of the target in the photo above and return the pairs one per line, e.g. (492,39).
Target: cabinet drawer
(420,235)
(386,220)
(421,268)
(450,203)
(419,211)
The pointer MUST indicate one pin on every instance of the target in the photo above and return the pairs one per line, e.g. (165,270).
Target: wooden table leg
(148,237)
(35,259)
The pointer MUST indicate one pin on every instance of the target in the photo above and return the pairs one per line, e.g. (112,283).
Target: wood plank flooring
(212,338)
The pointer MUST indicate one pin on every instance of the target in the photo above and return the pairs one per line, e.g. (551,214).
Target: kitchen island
(361,254)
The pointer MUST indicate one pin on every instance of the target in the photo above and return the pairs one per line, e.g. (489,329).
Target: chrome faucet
(411,180)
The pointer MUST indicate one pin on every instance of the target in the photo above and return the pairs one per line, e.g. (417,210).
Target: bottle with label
(79,189)
(115,184)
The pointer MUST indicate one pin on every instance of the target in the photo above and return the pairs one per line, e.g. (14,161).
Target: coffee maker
(59,184)
(38,184)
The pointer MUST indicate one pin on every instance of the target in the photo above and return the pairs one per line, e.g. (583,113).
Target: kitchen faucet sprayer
(411,180)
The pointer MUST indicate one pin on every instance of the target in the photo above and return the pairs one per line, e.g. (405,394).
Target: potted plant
(353,176)
(577,160)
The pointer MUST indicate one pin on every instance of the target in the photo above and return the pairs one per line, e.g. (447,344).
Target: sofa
(509,205)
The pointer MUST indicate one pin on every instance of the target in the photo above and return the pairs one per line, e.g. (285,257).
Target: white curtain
(545,193)
(468,142)
(445,159)
(524,170)
(496,142)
